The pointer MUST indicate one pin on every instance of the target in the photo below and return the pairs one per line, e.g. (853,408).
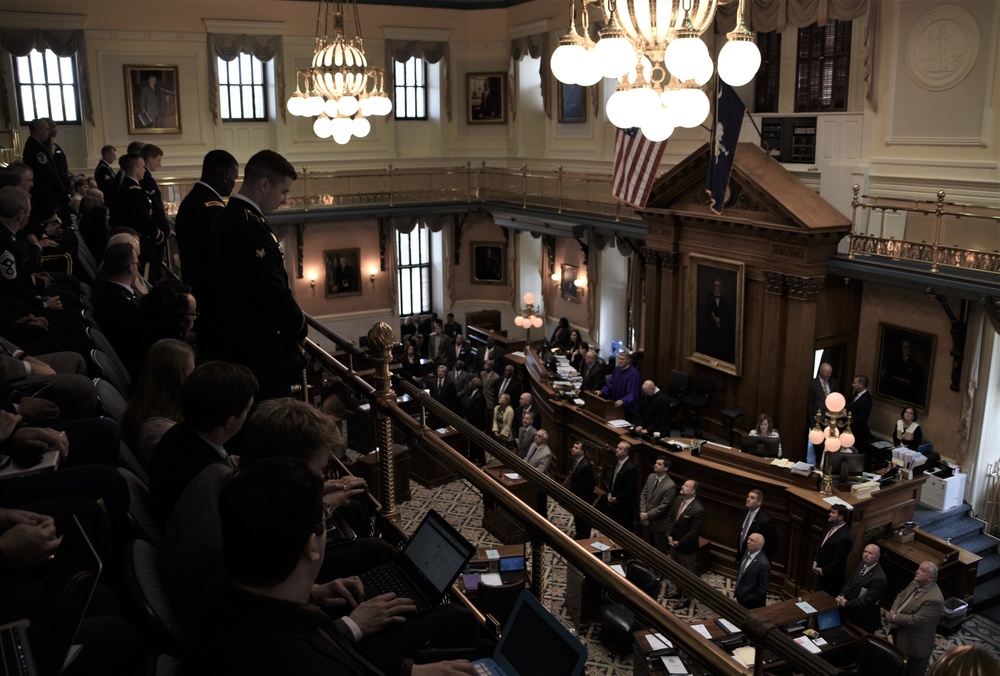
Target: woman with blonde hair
(155,406)
(503,421)
(966,660)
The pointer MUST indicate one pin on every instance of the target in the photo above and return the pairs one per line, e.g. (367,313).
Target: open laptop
(517,654)
(511,569)
(829,627)
(427,566)
(43,644)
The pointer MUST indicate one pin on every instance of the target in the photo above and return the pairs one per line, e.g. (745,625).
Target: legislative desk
(583,594)
(725,476)
(781,614)
(496,520)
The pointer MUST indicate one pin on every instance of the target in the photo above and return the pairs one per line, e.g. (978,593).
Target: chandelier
(833,432)
(339,89)
(527,315)
(655,51)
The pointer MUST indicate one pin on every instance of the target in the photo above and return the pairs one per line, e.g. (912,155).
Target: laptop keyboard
(383,580)
(15,661)
(835,636)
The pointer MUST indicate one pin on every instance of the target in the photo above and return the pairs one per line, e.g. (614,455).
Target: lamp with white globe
(527,317)
(832,430)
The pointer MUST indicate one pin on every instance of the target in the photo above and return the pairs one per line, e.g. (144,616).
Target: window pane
(234,102)
(66,74)
(37,66)
(224,102)
(27,103)
(244,62)
(55,98)
(23,69)
(69,103)
(223,69)
(41,101)
(246,91)
(51,65)
(258,104)
(258,71)
(247,101)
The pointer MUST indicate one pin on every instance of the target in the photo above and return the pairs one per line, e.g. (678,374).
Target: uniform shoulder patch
(42,157)
(260,253)
(8,266)
(214,203)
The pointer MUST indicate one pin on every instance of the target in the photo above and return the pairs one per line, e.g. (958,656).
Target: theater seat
(617,621)
(877,657)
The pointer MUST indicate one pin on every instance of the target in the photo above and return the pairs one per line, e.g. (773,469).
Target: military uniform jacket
(105,177)
(157,209)
(46,191)
(132,210)
(194,221)
(252,317)
(14,271)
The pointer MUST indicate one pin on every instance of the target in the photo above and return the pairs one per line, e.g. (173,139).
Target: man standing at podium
(625,386)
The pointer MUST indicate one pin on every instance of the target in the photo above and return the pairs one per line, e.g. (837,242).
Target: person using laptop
(274,541)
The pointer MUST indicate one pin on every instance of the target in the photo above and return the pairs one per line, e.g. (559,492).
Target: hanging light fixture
(339,89)
(655,51)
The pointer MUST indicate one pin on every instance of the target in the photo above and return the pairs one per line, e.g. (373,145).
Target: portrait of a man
(716,298)
(151,94)
(343,276)
(487,263)
(904,362)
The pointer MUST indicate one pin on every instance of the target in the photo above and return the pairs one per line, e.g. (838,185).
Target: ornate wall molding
(804,288)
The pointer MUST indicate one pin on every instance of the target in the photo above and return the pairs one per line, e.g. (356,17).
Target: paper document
(806,608)
(728,626)
(511,476)
(492,554)
(619,423)
(702,629)
(745,655)
(491,579)
(442,430)
(600,546)
(834,500)
(807,643)
(365,407)
(519,353)
(673,664)
(617,567)
(659,642)
(579,402)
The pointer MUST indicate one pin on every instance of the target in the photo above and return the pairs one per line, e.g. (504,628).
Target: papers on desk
(564,384)
(727,626)
(511,476)
(703,630)
(491,579)
(519,353)
(620,423)
(674,664)
(806,607)
(365,407)
(907,458)
(617,567)
(807,643)
(442,430)
(600,546)
(659,642)
(783,463)
(802,468)
(579,402)
(745,656)
(834,500)
(492,554)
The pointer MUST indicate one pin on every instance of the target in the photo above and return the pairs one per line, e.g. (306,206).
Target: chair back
(110,372)
(499,601)
(705,386)
(644,578)
(111,400)
(145,582)
(140,514)
(678,383)
(879,657)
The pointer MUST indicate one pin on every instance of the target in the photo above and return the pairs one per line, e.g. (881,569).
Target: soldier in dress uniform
(132,210)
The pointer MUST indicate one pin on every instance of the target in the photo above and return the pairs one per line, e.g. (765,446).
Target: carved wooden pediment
(761,192)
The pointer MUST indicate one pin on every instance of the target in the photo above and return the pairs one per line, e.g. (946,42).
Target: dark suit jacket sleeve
(841,544)
(625,485)
(585,478)
(267,283)
(770,533)
(875,587)
(761,579)
(696,512)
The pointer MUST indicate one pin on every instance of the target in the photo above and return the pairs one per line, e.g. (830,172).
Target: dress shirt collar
(211,188)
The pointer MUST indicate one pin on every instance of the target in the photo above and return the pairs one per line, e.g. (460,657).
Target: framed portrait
(489,263)
(151,94)
(572,103)
(486,98)
(567,283)
(905,362)
(715,302)
(343,272)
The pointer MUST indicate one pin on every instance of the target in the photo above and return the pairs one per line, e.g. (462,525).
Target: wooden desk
(601,407)
(496,520)
(584,595)
(430,472)
(957,568)
(367,468)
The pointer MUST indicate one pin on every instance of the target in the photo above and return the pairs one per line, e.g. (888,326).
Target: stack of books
(864,489)
(802,468)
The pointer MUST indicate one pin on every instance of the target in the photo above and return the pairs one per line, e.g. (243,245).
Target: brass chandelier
(339,89)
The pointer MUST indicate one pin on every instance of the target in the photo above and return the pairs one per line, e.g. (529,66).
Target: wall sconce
(556,278)
(372,272)
(581,285)
(312,280)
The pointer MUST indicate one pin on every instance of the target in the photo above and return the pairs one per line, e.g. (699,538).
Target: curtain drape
(537,47)
(431,52)
(20,42)
(229,47)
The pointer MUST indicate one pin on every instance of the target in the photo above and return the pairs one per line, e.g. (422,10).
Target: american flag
(636,161)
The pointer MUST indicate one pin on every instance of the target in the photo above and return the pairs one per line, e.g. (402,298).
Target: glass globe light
(330,108)
(529,298)
(296,105)
(613,50)
(689,107)
(618,111)
(658,125)
(519,321)
(536,322)
(360,126)
(816,436)
(567,58)
(314,106)
(835,402)
(847,439)
(348,105)
(703,71)
(832,444)
(685,56)
(645,103)
(367,104)
(321,127)
(588,71)
(739,59)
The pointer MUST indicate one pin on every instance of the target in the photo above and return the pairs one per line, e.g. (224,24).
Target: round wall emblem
(942,48)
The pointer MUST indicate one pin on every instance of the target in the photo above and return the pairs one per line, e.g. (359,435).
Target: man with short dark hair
(525,433)
(581,483)
(215,400)
(104,174)
(198,211)
(132,209)
(509,384)
(274,542)
(152,157)
(654,504)
(48,194)
(831,558)
(756,520)
(452,328)
(438,345)
(687,516)
(251,316)
(622,493)
(859,406)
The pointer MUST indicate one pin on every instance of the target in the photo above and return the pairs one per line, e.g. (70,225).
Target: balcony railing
(933,233)
(557,190)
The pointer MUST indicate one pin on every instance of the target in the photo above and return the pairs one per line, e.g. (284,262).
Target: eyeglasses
(193,314)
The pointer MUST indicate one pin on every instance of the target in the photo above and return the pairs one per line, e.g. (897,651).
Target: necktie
(614,477)
(680,509)
(826,387)
(743,533)
(743,567)
(827,536)
(531,453)
(908,599)
(440,385)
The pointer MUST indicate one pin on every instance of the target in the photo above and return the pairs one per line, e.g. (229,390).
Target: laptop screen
(438,551)
(829,619)
(530,626)
(510,564)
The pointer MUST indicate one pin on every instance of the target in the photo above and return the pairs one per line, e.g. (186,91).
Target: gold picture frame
(715,304)
(153,100)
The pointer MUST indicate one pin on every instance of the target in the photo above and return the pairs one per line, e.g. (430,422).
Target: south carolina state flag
(726,124)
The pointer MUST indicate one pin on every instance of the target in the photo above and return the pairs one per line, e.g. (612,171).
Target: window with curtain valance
(537,47)
(431,52)
(228,47)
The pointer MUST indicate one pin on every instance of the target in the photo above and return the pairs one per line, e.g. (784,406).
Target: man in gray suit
(526,434)
(914,617)
(540,457)
(654,504)
(490,380)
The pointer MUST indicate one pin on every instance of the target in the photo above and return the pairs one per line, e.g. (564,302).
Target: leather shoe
(672,595)
(683,605)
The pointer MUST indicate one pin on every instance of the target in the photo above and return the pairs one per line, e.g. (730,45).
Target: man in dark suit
(819,388)
(489,378)
(754,576)
(438,345)
(581,484)
(525,404)
(687,516)
(592,373)
(756,520)
(452,328)
(197,212)
(117,307)
(461,378)
(525,433)
(460,351)
(654,504)
(860,408)
(252,317)
(622,493)
(475,413)
(443,388)
(654,413)
(104,174)
(215,400)
(861,597)
(831,558)
(509,384)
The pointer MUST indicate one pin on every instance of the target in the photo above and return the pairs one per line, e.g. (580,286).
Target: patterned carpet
(462,506)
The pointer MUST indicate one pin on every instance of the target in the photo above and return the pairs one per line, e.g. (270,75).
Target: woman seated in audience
(155,406)
(765,428)
(907,432)
(503,421)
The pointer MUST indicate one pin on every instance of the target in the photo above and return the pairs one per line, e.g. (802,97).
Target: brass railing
(542,533)
(934,233)
(394,186)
